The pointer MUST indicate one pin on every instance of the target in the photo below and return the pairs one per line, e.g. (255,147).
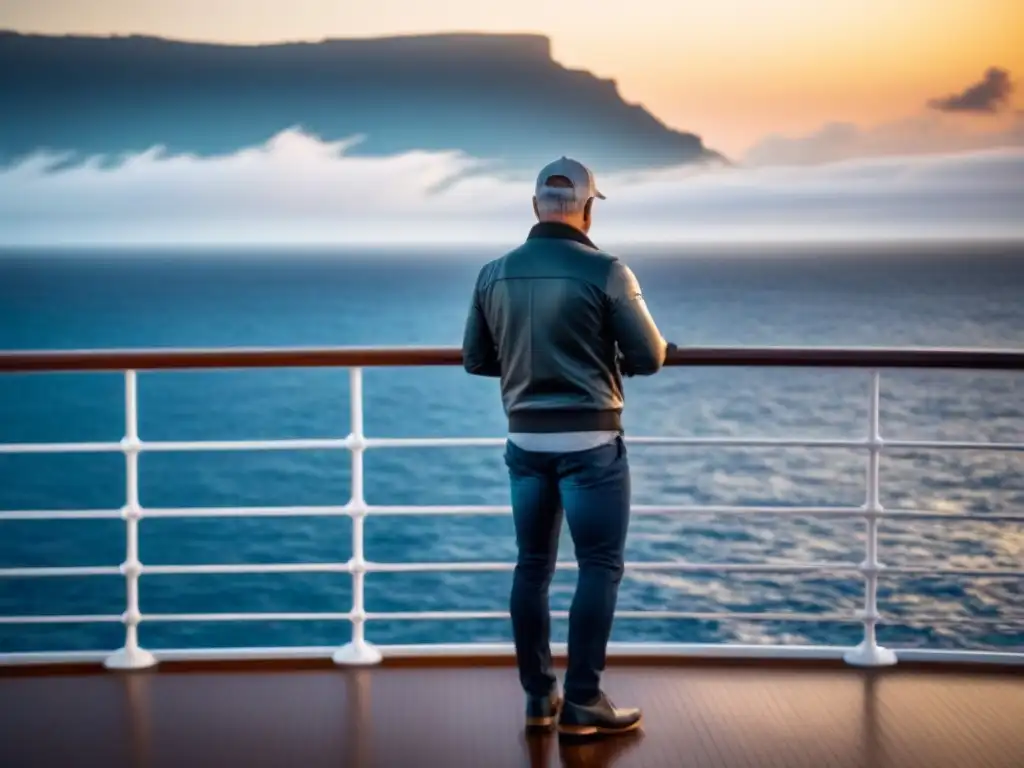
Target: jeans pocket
(516,459)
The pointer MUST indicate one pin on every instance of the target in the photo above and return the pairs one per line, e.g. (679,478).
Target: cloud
(953,125)
(987,95)
(919,135)
(297,190)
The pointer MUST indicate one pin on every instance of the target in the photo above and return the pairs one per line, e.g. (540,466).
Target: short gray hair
(558,197)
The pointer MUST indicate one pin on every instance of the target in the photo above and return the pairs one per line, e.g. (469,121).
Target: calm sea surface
(941,297)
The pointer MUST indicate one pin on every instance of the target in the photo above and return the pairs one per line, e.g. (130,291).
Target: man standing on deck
(560,321)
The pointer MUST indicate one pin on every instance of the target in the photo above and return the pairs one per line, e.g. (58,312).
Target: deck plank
(713,717)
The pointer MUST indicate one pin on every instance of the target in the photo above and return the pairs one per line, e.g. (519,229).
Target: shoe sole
(596,730)
(544,723)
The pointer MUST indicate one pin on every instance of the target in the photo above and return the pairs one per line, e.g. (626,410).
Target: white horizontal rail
(44,573)
(237,568)
(311,616)
(484,567)
(473,567)
(356,443)
(951,445)
(635,509)
(726,616)
(924,514)
(293,616)
(61,514)
(306,511)
(435,442)
(85,618)
(10,448)
(311,444)
(470,510)
(925,570)
(777,616)
(290,444)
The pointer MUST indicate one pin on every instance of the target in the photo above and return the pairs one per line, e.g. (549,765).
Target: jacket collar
(557,230)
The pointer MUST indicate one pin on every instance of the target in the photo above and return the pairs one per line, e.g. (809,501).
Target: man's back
(560,321)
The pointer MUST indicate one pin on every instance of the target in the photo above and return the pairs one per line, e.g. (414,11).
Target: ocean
(934,295)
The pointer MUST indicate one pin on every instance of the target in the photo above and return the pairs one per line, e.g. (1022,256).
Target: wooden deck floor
(434,717)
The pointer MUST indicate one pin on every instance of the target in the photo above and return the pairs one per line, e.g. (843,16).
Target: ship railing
(358,651)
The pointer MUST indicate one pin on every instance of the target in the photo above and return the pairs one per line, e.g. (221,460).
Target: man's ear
(536,210)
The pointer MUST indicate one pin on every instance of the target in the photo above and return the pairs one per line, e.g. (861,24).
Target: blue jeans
(592,489)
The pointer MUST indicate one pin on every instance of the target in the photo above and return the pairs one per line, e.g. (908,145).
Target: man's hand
(620,359)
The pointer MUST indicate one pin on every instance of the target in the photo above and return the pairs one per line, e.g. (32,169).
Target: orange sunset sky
(731,70)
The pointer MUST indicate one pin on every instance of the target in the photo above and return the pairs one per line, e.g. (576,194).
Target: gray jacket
(560,322)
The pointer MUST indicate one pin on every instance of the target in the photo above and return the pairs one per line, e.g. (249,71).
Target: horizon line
(1014,239)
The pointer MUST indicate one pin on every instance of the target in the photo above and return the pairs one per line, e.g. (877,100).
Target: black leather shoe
(541,711)
(600,718)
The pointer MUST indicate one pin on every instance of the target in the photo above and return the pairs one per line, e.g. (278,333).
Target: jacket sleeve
(641,346)
(479,352)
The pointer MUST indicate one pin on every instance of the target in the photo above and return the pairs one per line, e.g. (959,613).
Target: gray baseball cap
(581,177)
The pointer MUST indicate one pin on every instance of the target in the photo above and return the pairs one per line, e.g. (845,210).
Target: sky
(734,71)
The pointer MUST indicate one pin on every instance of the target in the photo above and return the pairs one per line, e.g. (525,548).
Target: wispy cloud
(297,189)
(989,94)
(926,134)
(973,119)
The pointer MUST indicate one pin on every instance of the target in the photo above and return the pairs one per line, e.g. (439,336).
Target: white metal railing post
(131,656)
(869,653)
(357,651)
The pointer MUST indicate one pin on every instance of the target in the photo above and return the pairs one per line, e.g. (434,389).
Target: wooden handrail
(142,359)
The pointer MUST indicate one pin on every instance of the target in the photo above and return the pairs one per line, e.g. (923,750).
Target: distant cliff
(500,97)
